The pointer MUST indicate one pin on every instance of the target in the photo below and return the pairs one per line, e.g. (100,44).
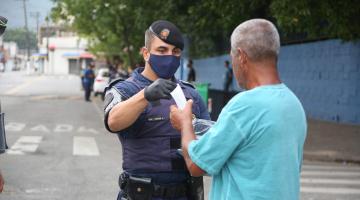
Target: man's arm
(188,135)
(1,183)
(125,113)
(182,121)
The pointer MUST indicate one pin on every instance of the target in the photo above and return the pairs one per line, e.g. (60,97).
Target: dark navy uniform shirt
(150,144)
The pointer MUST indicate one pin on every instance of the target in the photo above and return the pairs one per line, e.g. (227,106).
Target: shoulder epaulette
(187,84)
(113,82)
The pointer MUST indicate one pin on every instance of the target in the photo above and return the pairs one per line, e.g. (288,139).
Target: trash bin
(203,89)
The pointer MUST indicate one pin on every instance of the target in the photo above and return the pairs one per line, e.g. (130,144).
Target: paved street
(332,181)
(59,148)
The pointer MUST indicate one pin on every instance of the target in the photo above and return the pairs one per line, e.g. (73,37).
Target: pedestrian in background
(228,79)
(191,73)
(255,149)
(88,80)
(228,76)
(112,71)
(137,110)
(3,58)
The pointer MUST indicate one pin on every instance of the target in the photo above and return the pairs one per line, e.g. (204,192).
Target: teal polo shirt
(254,150)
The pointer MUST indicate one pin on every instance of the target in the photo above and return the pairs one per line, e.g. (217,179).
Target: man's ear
(145,53)
(242,56)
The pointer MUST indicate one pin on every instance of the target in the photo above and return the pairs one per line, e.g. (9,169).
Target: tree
(318,19)
(116,27)
(18,35)
(209,23)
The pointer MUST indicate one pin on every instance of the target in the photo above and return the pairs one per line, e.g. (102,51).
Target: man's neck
(262,73)
(149,73)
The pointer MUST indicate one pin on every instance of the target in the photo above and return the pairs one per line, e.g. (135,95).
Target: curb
(331,156)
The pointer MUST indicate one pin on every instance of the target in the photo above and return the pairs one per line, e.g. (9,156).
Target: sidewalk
(328,141)
(18,83)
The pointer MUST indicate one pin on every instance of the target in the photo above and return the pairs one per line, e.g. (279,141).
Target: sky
(13,10)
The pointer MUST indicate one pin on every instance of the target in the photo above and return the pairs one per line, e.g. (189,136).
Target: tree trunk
(128,45)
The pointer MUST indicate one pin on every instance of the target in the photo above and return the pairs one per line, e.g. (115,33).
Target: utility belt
(142,188)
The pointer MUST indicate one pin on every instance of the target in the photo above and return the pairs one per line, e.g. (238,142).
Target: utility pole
(47,34)
(27,30)
(36,15)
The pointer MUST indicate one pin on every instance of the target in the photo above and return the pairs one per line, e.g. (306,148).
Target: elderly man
(254,150)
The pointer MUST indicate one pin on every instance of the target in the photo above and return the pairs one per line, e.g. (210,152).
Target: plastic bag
(201,126)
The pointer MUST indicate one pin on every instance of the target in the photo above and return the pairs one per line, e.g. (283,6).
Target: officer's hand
(179,118)
(159,89)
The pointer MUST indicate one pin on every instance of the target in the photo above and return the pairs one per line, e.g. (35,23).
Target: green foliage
(318,19)
(18,35)
(116,27)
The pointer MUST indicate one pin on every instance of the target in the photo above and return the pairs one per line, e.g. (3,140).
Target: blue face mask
(164,66)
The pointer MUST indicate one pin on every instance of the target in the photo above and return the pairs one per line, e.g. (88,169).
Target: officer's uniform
(150,144)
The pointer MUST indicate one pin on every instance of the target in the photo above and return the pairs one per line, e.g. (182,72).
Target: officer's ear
(145,53)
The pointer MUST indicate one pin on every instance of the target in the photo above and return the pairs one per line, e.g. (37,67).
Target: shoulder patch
(112,97)
(187,84)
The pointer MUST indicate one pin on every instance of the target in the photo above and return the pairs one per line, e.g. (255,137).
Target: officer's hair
(149,37)
(259,38)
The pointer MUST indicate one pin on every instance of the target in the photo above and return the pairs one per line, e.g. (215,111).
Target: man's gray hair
(259,38)
(149,37)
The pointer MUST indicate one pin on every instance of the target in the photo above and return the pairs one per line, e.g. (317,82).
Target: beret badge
(164,33)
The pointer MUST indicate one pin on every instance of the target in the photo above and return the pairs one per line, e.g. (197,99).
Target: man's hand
(1,183)
(179,118)
(159,89)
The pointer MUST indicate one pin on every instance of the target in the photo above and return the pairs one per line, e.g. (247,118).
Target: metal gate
(74,66)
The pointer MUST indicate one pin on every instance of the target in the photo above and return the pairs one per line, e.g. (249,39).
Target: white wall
(11,47)
(58,63)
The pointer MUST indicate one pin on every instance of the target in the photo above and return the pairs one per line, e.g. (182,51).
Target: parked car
(101,81)
(2,67)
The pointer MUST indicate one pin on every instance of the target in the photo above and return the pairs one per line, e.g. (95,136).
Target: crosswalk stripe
(330,181)
(331,173)
(330,167)
(25,144)
(85,146)
(323,190)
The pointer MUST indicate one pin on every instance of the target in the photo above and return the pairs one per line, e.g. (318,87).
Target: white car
(101,81)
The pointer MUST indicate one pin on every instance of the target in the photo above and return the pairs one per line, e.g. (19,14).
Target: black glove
(159,89)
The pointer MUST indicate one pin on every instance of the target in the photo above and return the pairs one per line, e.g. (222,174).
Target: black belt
(172,191)
(162,191)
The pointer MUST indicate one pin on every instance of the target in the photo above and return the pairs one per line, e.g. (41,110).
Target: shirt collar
(138,76)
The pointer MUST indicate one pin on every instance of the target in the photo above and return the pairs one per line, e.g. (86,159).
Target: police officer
(88,80)
(137,109)
(3,22)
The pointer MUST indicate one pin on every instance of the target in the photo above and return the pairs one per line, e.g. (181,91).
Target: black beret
(167,32)
(3,21)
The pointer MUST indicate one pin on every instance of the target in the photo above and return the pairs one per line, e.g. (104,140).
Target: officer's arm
(125,113)
(188,135)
